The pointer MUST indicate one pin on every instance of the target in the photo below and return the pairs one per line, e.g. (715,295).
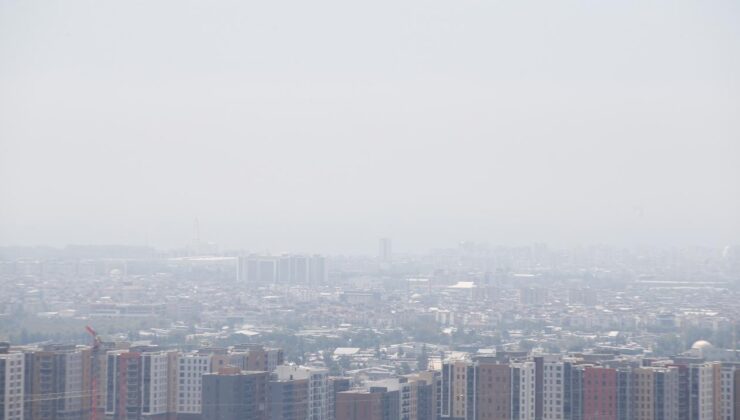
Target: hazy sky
(323,125)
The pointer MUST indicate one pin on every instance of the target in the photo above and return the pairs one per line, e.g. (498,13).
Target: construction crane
(94,373)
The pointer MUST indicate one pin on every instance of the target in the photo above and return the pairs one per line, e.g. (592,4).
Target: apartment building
(458,390)
(11,385)
(337,384)
(256,358)
(318,388)
(599,387)
(553,389)
(522,390)
(58,379)
(359,405)
(190,370)
(493,390)
(701,391)
(231,394)
(138,385)
(288,399)
(728,391)
(427,392)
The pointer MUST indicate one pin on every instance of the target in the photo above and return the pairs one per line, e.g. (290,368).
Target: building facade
(12,375)
(235,395)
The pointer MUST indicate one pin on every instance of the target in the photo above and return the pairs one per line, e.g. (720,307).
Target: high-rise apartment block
(190,370)
(288,399)
(385,254)
(285,269)
(54,382)
(138,385)
(232,394)
(375,403)
(11,385)
(256,357)
(318,388)
(58,382)
(385,250)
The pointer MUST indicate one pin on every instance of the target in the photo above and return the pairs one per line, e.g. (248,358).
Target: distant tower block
(196,237)
(385,252)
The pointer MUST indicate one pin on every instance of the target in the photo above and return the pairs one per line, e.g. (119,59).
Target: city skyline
(384,210)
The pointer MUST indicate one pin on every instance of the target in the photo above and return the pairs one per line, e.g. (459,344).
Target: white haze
(323,125)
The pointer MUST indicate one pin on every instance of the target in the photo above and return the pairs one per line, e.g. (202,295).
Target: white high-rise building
(523,390)
(190,370)
(552,389)
(318,273)
(155,382)
(318,388)
(287,269)
(11,394)
(385,251)
(255,269)
(702,391)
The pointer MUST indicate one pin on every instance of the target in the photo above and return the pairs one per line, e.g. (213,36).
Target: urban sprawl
(473,332)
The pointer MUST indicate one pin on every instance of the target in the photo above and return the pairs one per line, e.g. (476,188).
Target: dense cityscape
(470,332)
(369,210)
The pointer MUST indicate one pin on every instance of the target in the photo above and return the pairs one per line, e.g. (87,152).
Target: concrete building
(337,384)
(533,295)
(376,403)
(11,385)
(428,394)
(493,390)
(255,269)
(155,385)
(624,393)
(458,390)
(643,394)
(359,405)
(385,251)
(655,393)
(138,385)
(318,388)
(301,269)
(288,399)
(293,269)
(553,389)
(482,389)
(667,393)
(285,269)
(599,387)
(235,395)
(58,378)
(728,391)
(318,270)
(255,357)
(190,370)
(701,390)
(522,390)
(404,390)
